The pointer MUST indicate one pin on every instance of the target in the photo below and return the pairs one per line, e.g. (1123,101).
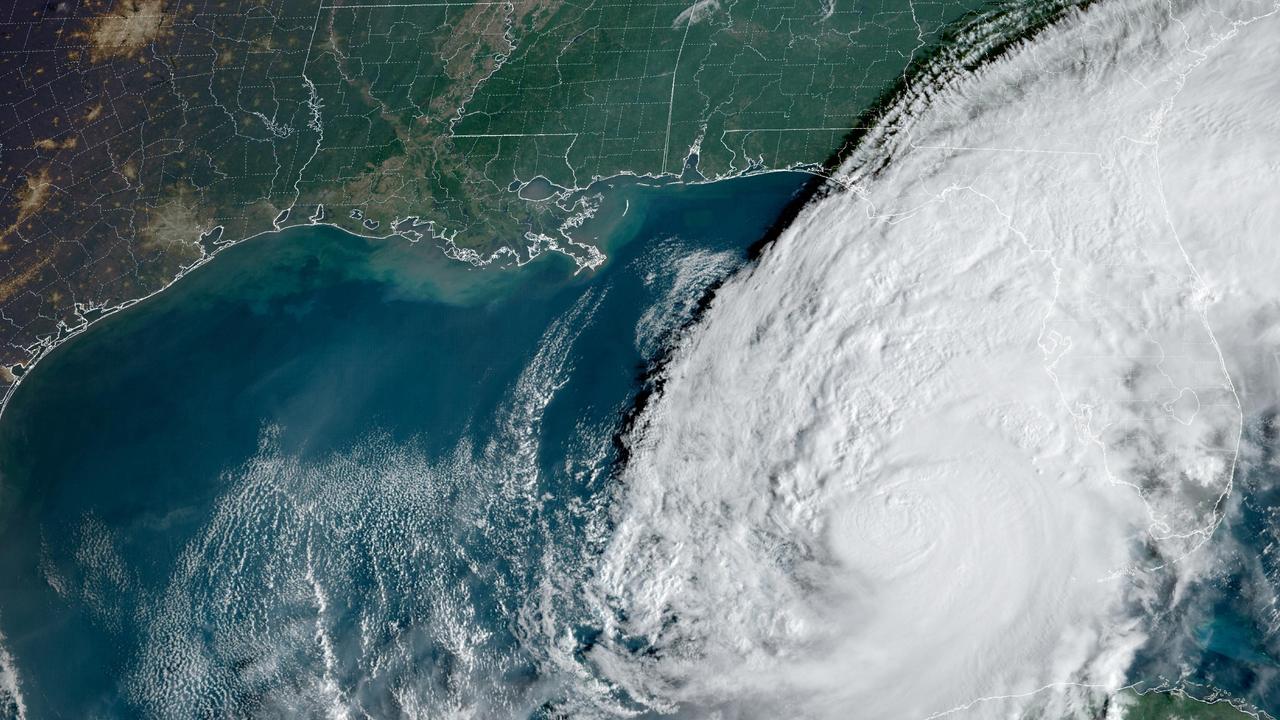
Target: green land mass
(1177,706)
(137,137)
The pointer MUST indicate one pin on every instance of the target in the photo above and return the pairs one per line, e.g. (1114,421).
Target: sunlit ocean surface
(331,476)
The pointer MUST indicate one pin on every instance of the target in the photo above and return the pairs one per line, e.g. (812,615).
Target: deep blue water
(323,471)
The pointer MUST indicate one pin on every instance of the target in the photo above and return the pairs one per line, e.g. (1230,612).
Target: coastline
(464,258)
(90,316)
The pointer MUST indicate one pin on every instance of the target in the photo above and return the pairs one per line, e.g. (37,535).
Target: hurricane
(941,451)
(986,431)
(975,417)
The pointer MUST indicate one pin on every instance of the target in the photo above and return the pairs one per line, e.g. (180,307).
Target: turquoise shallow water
(328,472)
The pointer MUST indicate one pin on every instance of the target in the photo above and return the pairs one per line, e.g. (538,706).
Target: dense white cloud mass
(914,462)
(12,703)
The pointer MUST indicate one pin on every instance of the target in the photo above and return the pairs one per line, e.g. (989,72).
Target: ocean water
(325,476)
(1223,638)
